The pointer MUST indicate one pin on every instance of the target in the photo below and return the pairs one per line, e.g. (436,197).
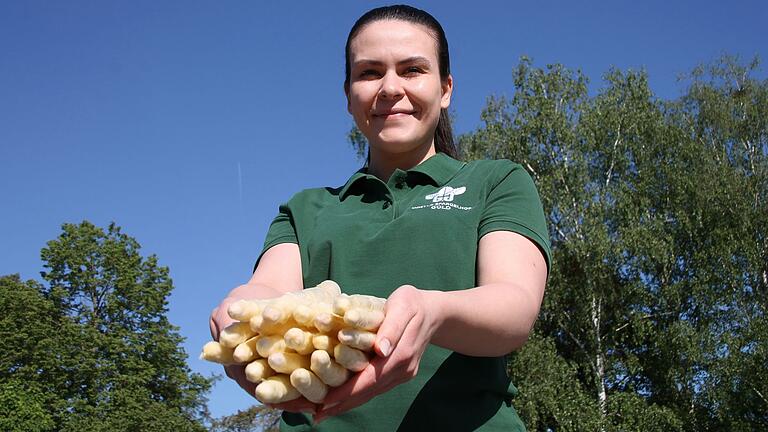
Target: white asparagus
(243,310)
(217,353)
(325,292)
(299,340)
(318,336)
(365,319)
(344,303)
(309,385)
(259,325)
(352,359)
(328,370)
(329,323)
(267,345)
(357,338)
(286,362)
(235,334)
(341,304)
(305,314)
(279,311)
(276,389)
(330,287)
(246,351)
(256,322)
(324,342)
(258,370)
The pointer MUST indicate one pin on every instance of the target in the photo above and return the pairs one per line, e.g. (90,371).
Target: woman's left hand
(407,329)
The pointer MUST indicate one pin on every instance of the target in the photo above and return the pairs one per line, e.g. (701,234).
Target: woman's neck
(382,165)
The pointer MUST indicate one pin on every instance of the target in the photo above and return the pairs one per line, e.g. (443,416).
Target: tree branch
(759,394)
(577,341)
(609,173)
(647,316)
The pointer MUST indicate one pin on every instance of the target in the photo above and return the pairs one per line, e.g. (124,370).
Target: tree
(656,305)
(94,345)
(257,418)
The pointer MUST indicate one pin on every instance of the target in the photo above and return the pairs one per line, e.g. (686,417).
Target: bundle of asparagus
(301,343)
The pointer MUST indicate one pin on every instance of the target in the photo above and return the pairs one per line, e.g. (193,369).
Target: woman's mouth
(394,114)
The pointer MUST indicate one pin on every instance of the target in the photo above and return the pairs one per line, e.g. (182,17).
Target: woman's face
(395,93)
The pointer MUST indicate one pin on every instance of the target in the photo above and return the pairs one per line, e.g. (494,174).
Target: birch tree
(655,309)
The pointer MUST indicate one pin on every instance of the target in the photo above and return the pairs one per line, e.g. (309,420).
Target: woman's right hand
(278,272)
(218,321)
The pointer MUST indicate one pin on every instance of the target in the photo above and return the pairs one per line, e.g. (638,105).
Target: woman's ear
(447,86)
(346,93)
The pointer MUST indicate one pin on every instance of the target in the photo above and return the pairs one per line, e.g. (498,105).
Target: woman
(460,250)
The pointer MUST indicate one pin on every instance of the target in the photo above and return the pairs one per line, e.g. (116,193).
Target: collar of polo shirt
(440,168)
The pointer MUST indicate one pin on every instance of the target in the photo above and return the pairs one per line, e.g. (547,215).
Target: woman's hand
(278,272)
(408,327)
(218,321)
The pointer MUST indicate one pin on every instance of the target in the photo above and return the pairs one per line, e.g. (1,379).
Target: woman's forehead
(393,37)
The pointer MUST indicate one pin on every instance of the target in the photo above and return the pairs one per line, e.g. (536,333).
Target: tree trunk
(599,361)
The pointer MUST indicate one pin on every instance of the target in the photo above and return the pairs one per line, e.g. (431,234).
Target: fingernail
(385,347)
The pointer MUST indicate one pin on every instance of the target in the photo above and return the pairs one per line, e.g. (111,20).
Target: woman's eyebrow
(409,60)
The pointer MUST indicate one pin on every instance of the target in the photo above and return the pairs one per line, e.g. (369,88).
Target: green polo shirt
(422,228)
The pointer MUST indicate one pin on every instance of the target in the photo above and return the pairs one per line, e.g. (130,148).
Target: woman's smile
(394,114)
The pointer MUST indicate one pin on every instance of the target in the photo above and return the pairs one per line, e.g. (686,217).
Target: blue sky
(188,123)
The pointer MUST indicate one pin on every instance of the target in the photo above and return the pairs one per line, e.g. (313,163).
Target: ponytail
(444,136)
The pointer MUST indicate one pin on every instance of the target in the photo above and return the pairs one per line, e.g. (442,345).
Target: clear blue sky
(187,123)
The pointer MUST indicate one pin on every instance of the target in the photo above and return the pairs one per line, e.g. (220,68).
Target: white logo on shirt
(445,194)
(443,199)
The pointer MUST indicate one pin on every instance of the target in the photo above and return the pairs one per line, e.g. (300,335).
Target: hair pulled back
(443,133)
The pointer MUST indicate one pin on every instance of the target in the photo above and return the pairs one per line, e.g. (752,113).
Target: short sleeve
(513,204)
(281,230)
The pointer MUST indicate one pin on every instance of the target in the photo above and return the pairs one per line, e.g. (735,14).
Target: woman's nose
(391,86)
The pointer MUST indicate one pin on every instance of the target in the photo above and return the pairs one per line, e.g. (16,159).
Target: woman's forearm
(489,320)
(252,290)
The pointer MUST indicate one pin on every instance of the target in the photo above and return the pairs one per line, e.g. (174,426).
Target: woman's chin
(395,147)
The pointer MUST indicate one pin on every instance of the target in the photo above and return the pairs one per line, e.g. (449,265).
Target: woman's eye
(368,73)
(413,70)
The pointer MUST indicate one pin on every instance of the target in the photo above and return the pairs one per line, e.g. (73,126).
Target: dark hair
(443,133)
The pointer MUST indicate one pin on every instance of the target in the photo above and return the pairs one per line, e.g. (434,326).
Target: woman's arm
(489,320)
(496,317)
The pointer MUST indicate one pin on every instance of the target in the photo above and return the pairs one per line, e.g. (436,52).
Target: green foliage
(257,418)
(95,344)
(359,143)
(22,408)
(130,409)
(552,392)
(655,314)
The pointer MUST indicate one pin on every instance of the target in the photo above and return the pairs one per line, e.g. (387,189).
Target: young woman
(460,250)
